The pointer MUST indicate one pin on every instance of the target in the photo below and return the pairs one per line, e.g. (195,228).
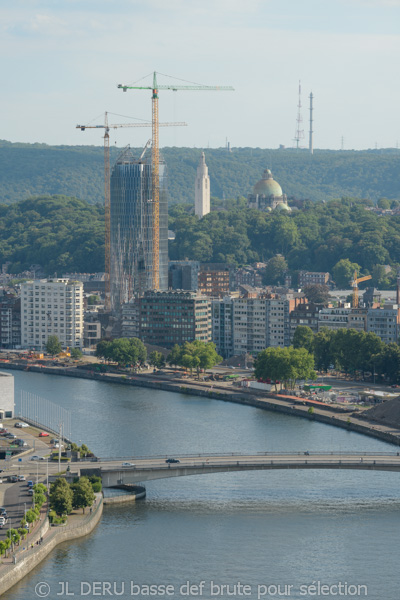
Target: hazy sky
(62,60)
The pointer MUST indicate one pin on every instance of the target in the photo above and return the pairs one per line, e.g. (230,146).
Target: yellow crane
(107,209)
(354,284)
(155,156)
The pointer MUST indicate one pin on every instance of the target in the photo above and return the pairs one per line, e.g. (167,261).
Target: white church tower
(202,189)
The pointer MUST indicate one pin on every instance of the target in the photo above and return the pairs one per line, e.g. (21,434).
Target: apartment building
(168,318)
(51,307)
(384,322)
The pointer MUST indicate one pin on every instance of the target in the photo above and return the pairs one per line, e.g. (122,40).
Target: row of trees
(65,497)
(124,351)
(350,350)
(284,364)
(194,355)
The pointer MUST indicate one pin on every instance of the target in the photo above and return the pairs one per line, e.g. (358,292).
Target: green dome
(283,207)
(267,186)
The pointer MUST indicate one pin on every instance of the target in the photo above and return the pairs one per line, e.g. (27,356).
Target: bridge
(125,471)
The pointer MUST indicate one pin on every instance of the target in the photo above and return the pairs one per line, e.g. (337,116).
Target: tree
(93,299)
(76,353)
(343,272)
(53,345)
(83,494)
(322,349)
(317,293)
(61,497)
(156,359)
(275,270)
(174,356)
(30,516)
(303,338)
(383,203)
(195,355)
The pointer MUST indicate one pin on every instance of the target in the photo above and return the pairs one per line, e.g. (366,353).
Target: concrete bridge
(115,472)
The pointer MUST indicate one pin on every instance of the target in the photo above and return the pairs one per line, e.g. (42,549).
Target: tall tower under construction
(132,229)
(202,189)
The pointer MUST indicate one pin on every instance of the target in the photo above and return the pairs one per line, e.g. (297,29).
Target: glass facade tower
(132,227)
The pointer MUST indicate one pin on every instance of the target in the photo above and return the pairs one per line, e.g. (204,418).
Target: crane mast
(155,181)
(155,157)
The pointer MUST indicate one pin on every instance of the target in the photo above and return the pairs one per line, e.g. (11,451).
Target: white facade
(6,395)
(202,189)
(51,307)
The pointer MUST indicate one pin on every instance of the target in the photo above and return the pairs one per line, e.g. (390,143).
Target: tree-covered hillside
(61,234)
(66,234)
(36,169)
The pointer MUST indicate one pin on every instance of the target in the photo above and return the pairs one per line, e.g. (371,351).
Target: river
(263,529)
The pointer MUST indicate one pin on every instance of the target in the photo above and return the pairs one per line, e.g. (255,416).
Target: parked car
(21,478)
(20,442)
(43,434)
(11,436)
(29,483)
(20,424)
(127,464)
(172,460)
(30,492)
(3,512)
(13,479)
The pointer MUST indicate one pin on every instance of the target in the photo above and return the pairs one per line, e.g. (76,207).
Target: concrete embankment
(27,560)
(275,403)
(132,493)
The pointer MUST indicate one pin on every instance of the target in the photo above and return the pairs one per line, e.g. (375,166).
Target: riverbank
(28,557)
(263,400)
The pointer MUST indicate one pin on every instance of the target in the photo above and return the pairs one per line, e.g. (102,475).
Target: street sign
(20,460)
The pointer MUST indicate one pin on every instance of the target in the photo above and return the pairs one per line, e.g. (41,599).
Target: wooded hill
(67,234)
(37,169)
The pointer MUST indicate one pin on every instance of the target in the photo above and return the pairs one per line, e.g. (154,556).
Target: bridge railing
(238,454)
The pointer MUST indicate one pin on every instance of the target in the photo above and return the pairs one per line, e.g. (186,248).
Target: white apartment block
(249,325)
(51,307)
(384,322)
(333,318)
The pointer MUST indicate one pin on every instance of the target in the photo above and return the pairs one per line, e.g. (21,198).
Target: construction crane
(354,284)
(107,208)
(155,157)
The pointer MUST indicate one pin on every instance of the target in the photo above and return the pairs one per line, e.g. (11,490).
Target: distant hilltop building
(267,195)
(202,189)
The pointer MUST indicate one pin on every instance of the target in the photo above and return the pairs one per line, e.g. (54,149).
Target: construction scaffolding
(132,233)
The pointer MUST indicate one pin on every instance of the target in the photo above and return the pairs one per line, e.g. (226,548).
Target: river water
(313,533)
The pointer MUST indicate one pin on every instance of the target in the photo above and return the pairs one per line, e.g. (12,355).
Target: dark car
(172,460)
(13,479)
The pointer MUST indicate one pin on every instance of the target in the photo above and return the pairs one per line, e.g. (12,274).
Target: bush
(96,487)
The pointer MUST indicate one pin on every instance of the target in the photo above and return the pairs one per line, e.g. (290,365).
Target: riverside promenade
(29,553)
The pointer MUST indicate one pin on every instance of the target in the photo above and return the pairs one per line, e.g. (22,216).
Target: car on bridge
(127,464)
(172,460)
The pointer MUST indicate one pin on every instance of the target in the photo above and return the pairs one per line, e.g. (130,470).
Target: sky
(61,61)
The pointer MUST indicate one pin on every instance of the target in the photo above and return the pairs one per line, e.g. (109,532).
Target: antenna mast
(299,135)
(311,141)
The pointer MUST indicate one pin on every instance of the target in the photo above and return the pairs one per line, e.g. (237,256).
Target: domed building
(267,195)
